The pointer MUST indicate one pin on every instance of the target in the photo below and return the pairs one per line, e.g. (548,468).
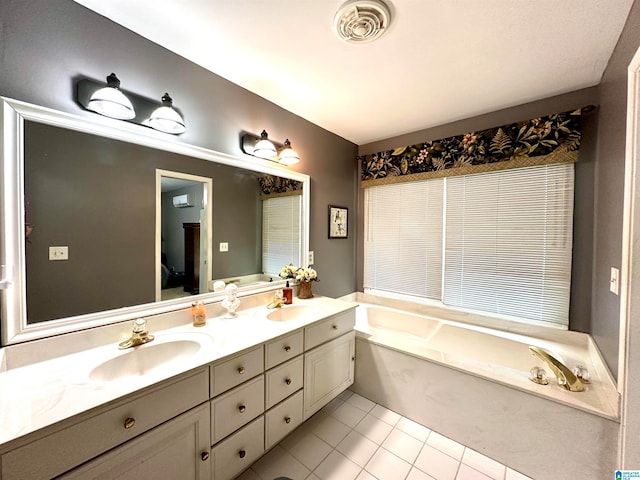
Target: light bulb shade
(264,148)
(288,156)
(166,119)
(111,102)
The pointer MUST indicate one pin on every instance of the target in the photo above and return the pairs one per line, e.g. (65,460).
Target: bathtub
(471,383)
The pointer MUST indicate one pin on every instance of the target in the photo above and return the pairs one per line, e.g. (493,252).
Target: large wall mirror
(103,221)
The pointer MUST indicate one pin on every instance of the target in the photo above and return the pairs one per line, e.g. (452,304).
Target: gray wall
(45,45)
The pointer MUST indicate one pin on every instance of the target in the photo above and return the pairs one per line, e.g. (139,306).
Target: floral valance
(273,186)
(540,141)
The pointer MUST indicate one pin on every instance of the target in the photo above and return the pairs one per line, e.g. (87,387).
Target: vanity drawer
(67,448)
(283,419)
(328,329)
(238,451)
(235,408)
(282,381)
(282,349)
(236,370)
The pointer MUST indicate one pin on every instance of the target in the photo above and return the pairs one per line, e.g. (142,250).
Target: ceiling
(439,61)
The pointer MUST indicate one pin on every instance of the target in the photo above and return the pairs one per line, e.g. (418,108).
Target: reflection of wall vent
(361,21)
(181,201)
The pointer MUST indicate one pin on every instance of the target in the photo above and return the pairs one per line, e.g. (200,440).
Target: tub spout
(566,378)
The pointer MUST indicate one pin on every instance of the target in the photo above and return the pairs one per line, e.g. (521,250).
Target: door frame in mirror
(13,114)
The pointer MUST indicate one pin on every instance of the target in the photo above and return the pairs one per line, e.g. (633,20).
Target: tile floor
(353,438)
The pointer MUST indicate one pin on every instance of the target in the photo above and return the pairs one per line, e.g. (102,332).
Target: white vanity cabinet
(329,367)
(177,449)
(89,435)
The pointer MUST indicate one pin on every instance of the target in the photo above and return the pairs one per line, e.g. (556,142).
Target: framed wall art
(338,222)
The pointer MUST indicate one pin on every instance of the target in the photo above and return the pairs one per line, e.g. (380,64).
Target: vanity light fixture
(262,147)
(166,119)
(287,155)
(111,102)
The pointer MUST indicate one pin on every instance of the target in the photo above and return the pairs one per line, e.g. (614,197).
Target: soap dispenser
(199,314)
(288,294)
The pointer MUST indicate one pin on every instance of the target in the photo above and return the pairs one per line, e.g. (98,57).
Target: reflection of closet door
(191,257)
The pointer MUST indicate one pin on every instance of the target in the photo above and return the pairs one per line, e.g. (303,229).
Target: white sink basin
(149,358)
(289,312)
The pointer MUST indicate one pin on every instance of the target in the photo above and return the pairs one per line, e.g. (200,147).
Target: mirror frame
(13,114)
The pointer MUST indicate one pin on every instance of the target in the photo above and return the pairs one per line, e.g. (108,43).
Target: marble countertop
(38,395)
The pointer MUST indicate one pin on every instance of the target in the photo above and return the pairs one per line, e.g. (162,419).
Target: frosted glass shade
(264,148)
(167,120)
(288,156)
(111,102)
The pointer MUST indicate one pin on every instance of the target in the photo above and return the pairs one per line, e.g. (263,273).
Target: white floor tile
(414,429)
(348,414)
(385,415)
(467,473)
(483,464)
(345,394)
(374,429)
(513,475)
(337,467)
(384,465)
(437,464)
(361,402)
(403,445)
(248,475)
(417,474)
(331,431)
(331,407)
(280,463)
(357,448)
(307,448)
(446,445)
(364,475)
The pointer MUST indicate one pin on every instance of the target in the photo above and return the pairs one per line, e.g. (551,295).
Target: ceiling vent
(361,21)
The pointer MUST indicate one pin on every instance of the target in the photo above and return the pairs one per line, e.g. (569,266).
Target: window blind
(497,242)
(281,232)
(403,244)
(508,242)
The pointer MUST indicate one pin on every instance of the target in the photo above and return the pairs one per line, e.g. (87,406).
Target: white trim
(13,113)
(629,295)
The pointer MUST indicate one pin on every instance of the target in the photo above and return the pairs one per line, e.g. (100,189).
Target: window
(281,232)
(503,240)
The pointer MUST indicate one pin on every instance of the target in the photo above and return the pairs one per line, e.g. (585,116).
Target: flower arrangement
(300,274)
(307,275)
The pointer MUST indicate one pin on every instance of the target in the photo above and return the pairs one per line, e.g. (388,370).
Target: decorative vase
(305,290)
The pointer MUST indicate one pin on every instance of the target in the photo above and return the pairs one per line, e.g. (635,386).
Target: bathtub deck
(352,438)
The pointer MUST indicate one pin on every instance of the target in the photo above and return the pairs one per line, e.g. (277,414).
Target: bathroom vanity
(256,379)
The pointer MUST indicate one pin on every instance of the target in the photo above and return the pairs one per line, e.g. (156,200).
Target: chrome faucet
(139,335)
(566,377)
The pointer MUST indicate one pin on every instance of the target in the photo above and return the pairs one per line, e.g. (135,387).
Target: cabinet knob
(240,370)
(129,423)
(288,381)
(287,348)
(242,408)
(242,453)
(335,327)
(287,419)
(204,456)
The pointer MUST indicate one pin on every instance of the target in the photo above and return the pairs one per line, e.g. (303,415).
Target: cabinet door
(178,449)
(328,370)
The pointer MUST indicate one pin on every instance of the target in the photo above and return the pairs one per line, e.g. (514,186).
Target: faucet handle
(139,325)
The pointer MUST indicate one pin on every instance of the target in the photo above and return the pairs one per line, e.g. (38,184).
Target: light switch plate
(58,253)
(310,262)
(614,282)
(224,247)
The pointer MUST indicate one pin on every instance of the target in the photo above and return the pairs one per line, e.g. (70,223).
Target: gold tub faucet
(139,335)
(566,377)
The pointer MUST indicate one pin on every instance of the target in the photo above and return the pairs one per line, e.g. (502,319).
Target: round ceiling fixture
(361,21)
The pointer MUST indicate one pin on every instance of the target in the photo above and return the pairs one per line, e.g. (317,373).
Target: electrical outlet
(310,262)
(58,253)
(614,282)
(224,247)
